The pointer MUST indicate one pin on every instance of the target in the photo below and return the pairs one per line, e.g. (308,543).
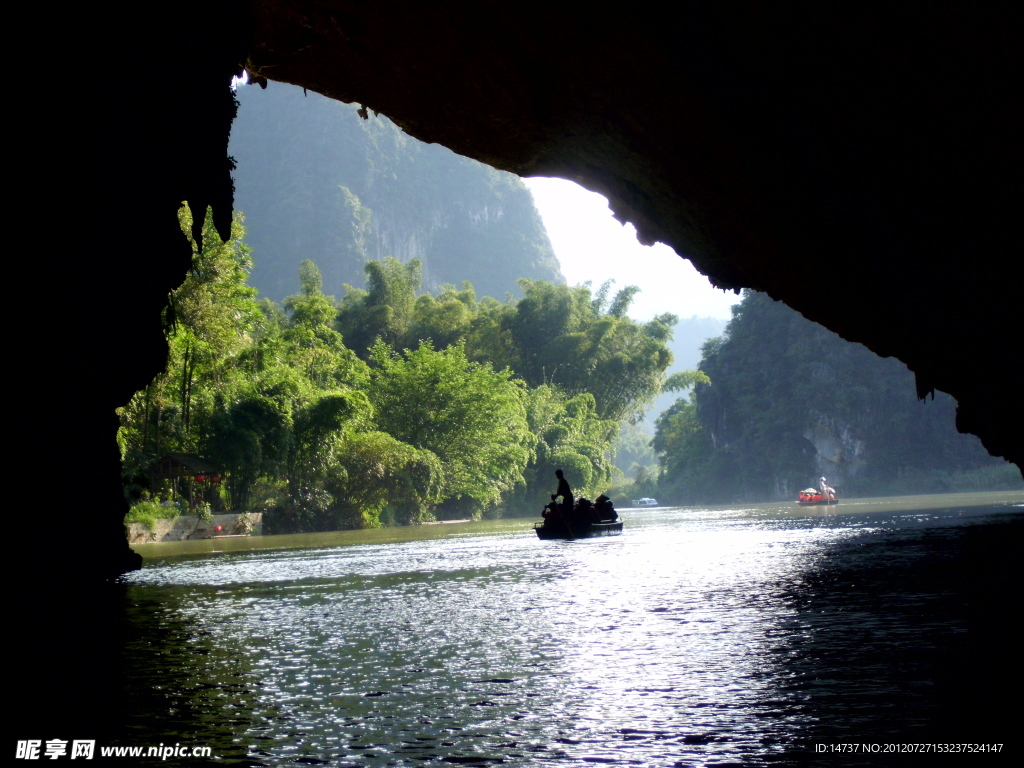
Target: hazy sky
(592,245)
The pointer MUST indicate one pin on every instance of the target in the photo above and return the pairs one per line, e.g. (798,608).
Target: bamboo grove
(392,405)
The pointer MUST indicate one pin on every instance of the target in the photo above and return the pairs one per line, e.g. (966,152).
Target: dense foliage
(789,401)
(390,406)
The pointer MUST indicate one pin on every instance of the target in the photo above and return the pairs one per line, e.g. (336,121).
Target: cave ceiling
(858,162)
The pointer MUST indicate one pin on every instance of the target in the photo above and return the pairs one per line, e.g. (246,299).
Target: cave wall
(110,141)
(119,112)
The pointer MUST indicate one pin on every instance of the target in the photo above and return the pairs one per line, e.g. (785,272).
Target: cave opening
(322,183)
(876,148)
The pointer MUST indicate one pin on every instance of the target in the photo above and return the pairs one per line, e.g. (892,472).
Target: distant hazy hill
(687,338)
(316,181)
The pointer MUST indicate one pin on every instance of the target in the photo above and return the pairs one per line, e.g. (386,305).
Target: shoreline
(443,529)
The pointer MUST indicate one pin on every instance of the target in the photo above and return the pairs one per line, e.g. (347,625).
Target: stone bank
(188,527)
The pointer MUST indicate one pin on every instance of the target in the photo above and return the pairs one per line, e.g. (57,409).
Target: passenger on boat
(826,490)
(605,509)
(564,491)
(551,510)
(584,512)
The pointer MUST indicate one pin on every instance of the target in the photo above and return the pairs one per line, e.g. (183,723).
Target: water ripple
(695,638)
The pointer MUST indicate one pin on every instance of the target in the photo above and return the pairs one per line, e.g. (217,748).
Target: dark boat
(559,529)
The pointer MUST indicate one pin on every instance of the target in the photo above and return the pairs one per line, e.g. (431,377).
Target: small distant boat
(560,529)
(645,502)
(811,496)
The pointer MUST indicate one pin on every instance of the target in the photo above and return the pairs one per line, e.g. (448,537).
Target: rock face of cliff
(790,401)
(838,454)
(316,181)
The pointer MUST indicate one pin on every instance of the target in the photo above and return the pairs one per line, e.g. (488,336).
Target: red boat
(810,496)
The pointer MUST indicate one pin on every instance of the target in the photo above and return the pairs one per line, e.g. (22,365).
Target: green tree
(311,341)
(691,470)
(470,416)
(210,318)
(378,476)
(571,436)
(563,337)
(319,431)
(250,438)
(385,309)
(443,321)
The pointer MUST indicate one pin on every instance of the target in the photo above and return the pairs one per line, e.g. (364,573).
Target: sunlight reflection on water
(669,643)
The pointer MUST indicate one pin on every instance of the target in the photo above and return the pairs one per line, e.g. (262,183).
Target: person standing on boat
(564,491)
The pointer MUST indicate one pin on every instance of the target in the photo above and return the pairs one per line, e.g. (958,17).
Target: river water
(741,636)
